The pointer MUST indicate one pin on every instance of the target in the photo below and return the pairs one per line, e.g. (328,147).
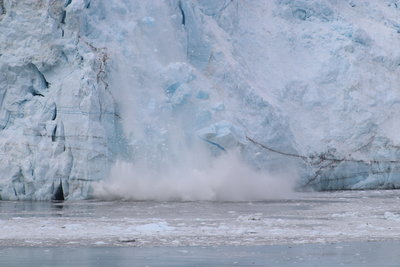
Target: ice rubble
(85,83)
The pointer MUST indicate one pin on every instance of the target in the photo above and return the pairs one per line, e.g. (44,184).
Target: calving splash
(225,178)
(181,138)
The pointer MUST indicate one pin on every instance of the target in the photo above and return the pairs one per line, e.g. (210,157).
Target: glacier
(86,85)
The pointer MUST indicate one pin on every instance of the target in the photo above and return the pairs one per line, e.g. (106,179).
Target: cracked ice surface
(306,218)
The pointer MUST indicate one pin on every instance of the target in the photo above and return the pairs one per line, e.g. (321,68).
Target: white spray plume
(226,178)
(156,89)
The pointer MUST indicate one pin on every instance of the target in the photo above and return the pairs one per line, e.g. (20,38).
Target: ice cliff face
(57,114)
(314,85)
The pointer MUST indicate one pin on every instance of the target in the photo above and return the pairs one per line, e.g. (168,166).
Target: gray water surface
(340,254)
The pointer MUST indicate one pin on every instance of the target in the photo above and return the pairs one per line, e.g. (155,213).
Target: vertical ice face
(57,113)
(86,83)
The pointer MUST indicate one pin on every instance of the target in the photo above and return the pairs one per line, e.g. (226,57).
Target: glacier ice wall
(57,114)
(306,85)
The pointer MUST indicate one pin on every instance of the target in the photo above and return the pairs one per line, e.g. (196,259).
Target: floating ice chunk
(250,217)
(345,215)
(391,216)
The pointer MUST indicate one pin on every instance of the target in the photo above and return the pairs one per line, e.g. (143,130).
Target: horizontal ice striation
(309,85)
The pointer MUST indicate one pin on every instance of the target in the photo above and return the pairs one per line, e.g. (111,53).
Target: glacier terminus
(166,96)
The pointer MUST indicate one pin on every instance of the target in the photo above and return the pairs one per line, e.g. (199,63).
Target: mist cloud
(226,178)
